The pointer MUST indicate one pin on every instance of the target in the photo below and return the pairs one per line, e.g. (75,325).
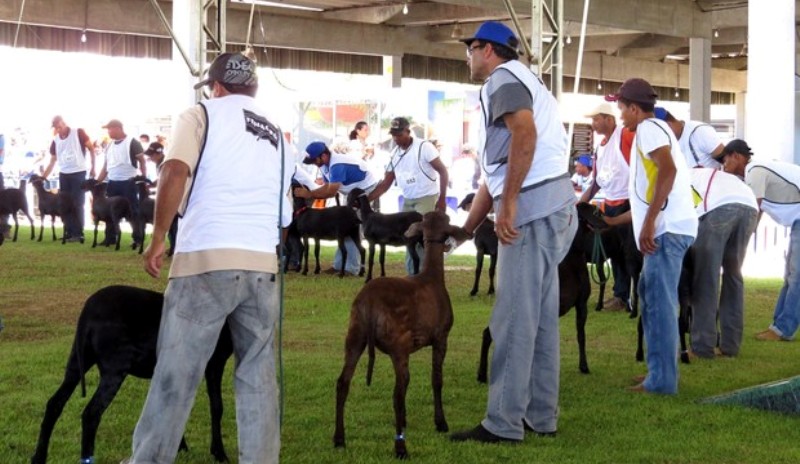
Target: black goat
(384,229)
(11,201)
(147,207)
(51,204)
(110,210)
(334,223)
(485,240)
(574,289)
(117,330)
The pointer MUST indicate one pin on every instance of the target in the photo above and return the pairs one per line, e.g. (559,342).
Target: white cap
(602,108)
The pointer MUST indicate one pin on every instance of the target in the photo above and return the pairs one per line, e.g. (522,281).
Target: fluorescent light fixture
(279,4)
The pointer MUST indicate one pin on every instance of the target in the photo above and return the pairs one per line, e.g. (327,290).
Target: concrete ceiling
(642,37)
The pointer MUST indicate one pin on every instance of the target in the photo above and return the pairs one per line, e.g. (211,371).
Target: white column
(769,127)
(700,79)
(741,98)
(393,70)
(187,25)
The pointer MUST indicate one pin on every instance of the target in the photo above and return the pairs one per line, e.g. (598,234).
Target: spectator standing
(70,148)
(611,173)
(728,214)
(699,141)
(225,265)
(526,181)
(776,186)
(664,224)
(418,170)
(582,179)
(123,154)
(358,141)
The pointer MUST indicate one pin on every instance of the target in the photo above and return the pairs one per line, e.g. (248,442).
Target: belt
(614,202)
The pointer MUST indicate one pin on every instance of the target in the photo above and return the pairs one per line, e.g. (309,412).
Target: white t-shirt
(678,214)
(698,140)
(413,171)
(777,184)
(611,169)
(714,188)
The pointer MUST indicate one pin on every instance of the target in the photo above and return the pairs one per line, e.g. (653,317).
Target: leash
(598,252)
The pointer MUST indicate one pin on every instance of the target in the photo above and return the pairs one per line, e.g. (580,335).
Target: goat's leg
(214,372)
(16,226)
(354,347)
(316,256)
(52,227)
(684,324)
(361,251)
(304,256)
(483,366)
(478,270)
(96,225)
(601,294)
(372,261)
(383,259)
(41,228)
(439,352)
(55,405)
(640,341)
(492,267)
(581,313)
(343,251)
(402,377)
(110,382)
(30,219)
(118,230)
(412,251)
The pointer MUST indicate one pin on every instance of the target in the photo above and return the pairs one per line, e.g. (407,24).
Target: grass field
(43,287)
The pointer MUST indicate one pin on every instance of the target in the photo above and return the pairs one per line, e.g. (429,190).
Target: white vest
(69,153)
(118,160)
(550,153)
(784,175)
(412,170)
(611,169)
(715,188)
(236,192)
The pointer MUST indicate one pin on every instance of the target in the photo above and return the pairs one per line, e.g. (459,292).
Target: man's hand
(647,240)
(154,257)
(301,193)
(504,224)
(441,204)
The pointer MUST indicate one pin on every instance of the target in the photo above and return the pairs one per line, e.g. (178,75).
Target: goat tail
(371,358)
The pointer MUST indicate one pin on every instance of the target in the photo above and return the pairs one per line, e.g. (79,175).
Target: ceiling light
(599,86)
(279,4)
(405,8)
(716,33)
(569,39)
(457,32)
(83,36)
(677,93)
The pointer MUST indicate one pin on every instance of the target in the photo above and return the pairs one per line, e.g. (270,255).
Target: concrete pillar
(393,70)
(187,23)
(769,126)
(738,130)
(700,79)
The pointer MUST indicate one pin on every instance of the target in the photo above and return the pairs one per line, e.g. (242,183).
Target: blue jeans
(524,375)
(195,310)
(658,294)
(787,309)
(353,265)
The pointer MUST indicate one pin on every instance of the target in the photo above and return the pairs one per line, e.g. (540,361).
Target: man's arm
(103,171)
(382,186)
(520,157)
(326,191)
(587,196)
(172,180)
(481,205)
(439,167)
(142,164)
(665,177)
(50,166)
(88,146)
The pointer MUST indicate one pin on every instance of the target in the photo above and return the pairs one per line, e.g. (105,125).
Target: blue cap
(492,31)
(660,113)
(585,160)
(313,151)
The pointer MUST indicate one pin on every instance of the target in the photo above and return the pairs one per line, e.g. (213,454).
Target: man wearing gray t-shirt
(535,224)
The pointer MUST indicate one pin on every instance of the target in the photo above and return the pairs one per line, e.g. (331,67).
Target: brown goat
(400,315)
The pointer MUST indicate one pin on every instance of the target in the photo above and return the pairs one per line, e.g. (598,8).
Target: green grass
(43,286)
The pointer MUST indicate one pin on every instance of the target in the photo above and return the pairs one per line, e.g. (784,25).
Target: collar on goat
(430,240)
(299,211)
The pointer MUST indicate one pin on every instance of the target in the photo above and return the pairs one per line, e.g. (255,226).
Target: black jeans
(71,184)
(622,278)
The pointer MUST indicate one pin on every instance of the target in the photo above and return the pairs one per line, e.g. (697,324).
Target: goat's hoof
(219,455)
(338,442)
(584,369)
(481,378)
(634,315)
(490,292)
(473,293)
(685,358)
(442,426)
(639,357)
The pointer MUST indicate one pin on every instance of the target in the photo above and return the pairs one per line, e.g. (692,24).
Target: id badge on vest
(407,179)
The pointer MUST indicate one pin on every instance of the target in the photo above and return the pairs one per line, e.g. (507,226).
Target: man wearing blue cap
(342,173)
(535,224)
(582,179)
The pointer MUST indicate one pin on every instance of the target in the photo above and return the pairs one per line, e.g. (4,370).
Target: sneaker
(769,335)
(528,428)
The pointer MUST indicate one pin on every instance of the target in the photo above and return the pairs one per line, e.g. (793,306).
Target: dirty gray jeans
(195,309)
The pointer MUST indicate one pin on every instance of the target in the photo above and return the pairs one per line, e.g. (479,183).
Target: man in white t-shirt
(776,186)
(664,224)
(418,170)
(699,142)
(728,214)
(582,179)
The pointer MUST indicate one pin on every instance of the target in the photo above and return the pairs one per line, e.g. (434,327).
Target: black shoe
(528,428)
(481,435)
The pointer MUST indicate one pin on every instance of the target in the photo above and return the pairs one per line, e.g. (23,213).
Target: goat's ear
(458,233)
(414,230)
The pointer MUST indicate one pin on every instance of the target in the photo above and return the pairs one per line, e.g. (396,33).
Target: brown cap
(736,146)
(636,90)
(398,125)
(113,123)
(154,148)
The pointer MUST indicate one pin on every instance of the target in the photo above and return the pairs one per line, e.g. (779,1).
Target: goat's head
(591,215)
(299,203)
(91,185)
(36,179)
(466,203)
(354,197)
(435,227)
